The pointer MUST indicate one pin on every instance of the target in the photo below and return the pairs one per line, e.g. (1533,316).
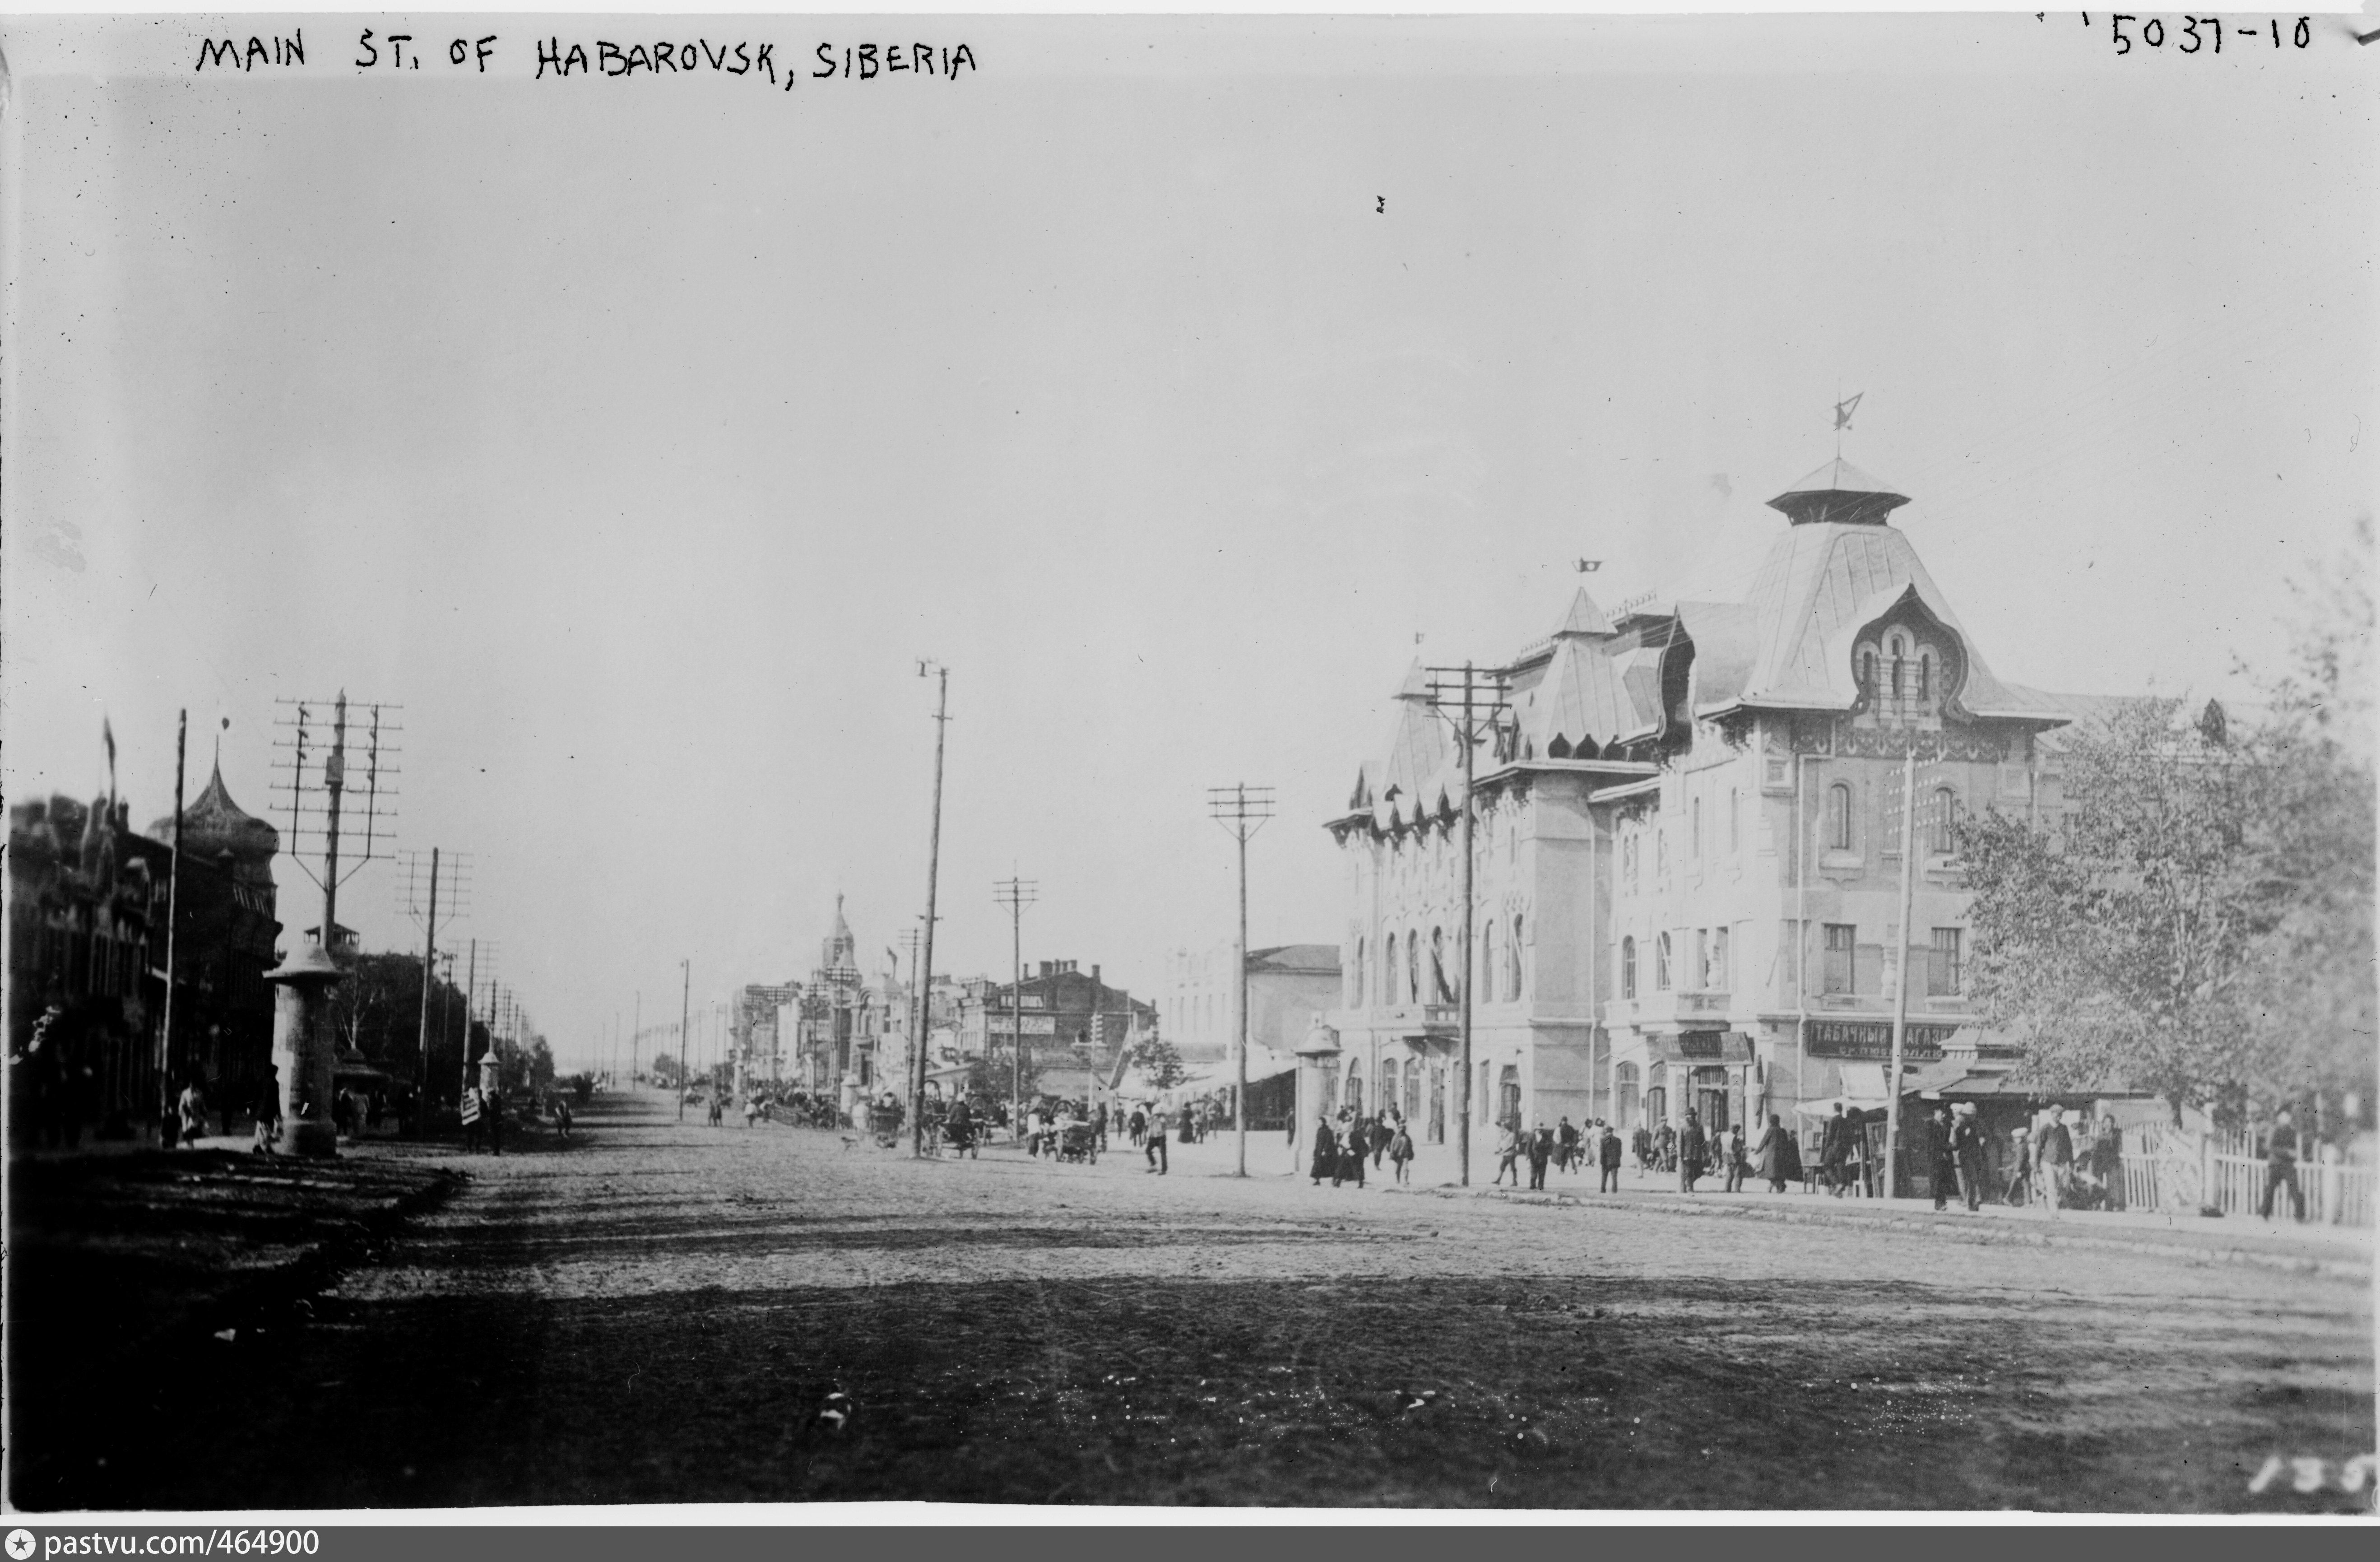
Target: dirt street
(667,1313)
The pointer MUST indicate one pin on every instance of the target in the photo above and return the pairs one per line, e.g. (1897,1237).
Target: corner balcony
(1436,1020)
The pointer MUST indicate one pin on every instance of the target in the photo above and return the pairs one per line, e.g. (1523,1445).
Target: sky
(1175,382)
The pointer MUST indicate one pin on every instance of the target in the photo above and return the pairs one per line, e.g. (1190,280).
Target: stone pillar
(302,1048)
(1317,1060)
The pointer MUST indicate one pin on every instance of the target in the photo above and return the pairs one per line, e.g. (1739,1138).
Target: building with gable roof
(1688,848)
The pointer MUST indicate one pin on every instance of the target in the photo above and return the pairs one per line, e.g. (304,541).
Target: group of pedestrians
(1342,1147)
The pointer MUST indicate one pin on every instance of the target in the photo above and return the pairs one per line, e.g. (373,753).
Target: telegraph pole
(172,926)
(637,1033)
(1016,893)
(933,871)
(429,975)
(684,999)
(1242,810)
(1901,983)
(471,997)
(1474,697)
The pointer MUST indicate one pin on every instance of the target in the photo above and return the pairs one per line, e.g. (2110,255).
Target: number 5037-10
(2194,34)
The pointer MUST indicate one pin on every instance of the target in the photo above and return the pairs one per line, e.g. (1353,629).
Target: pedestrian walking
(1541,1151)
(2281,1164)
(1138,1126)
(1566,1146)
(1154,1144)
(2108,1159)
(1835,1153)
(1353,1147)
(1401,1150)
(1608,1160)
(2056,1158)
(1382,1131)
(1508,1152)
(1693,1153)
(1781,1159)
(1326,1152)
(562,1117)
(1665,1147)
(2020,1165)
(1642,1142)
(1967,1154)
(1944,1165)
(267,1108)
(191,1106)
(1731,1148)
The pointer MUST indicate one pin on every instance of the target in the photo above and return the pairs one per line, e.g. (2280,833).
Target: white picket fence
(2170,1170)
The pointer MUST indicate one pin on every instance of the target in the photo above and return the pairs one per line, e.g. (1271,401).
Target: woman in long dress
(1326,1152)
(1775,1144)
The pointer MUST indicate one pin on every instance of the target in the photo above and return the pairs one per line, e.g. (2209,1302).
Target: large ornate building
(87,910)
(1688,847)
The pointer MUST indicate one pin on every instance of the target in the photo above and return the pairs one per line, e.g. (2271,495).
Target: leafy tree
(1160,1064)
(2199,923)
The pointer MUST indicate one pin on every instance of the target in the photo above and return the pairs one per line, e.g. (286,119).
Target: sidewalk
(2333,1250)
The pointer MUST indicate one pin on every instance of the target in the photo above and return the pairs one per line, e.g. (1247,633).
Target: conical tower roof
(213,824)
(1417,683)
(1583,618)
(1839,491)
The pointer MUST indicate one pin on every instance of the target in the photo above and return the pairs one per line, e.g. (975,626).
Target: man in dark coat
(1967,1154)
(1541,1150)
(1942,1162)
(1608,1160)
(1835,1152)
(2281,1164)
(1693,1153)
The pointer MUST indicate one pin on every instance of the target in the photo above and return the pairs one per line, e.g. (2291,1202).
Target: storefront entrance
(1710,1099)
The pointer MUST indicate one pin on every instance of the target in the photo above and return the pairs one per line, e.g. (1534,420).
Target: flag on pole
(1844,411)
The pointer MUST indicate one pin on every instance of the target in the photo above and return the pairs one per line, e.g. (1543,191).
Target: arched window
(1628,966)
(1388,1083)
(1482,1108)
(1925,674)
(1624,1083)
(1440,991)
(1839,816)
(1867,674)
(1413,966)
(1389,974)
(1354,1102)
(1942,829)
(1694,832)
(1508,1104)
(1484,983)
(1512,959)
(1661,963)
(1355,994)
(1900,655)
(1734,821)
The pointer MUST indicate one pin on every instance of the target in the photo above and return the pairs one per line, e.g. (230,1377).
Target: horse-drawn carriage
(1079,1141)
(884,1123)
